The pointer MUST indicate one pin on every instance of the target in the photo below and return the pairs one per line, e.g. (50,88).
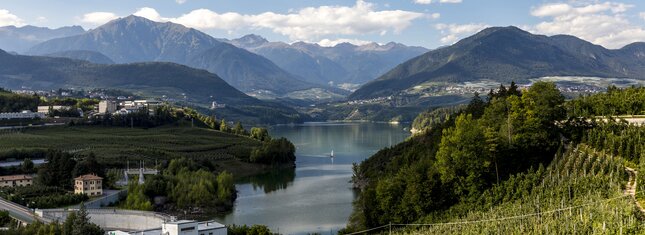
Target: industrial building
(181,227)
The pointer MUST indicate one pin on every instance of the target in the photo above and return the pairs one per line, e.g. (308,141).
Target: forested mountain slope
(495,159)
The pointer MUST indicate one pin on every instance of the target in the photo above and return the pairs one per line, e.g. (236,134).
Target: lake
(316,196)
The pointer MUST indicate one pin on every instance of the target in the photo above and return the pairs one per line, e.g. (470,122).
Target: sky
(427,23)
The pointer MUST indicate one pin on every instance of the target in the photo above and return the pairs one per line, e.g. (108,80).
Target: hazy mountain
(136,39)
(506,54)
(19,39)
(90,56)
(40,72)
(177,82)
(343,63)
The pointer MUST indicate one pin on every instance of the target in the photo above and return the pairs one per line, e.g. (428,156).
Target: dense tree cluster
(275,151)
(629,101)
(11,102)
(434,117)
(184,183)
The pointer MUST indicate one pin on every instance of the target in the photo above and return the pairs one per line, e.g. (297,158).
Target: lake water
(316,196)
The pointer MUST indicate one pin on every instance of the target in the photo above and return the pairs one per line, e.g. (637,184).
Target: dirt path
(631,187)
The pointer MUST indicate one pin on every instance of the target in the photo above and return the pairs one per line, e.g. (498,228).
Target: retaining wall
(126,220)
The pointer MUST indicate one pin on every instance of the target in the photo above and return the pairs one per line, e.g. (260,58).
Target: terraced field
(114,146)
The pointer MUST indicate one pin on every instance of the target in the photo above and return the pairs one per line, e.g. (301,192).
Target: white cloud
(603,23)
(331,43)
(551,10)
(642,15)
(435,16)
(41,19)
(181,1)
(98,18)
(307,24)
(440,1)
(6,18)
(452,33)
(150,13)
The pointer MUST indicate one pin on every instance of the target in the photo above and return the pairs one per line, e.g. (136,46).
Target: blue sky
(428,23)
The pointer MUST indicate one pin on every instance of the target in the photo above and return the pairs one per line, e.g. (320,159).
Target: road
(18,212)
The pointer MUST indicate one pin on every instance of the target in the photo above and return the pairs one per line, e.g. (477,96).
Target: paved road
(17,211)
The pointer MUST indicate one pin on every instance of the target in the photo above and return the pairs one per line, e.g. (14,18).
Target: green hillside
(489,167)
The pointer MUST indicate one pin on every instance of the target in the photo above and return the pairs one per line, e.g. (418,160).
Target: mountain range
(178,83)
(343,63)
(137,39)
(505,54)
(20,39)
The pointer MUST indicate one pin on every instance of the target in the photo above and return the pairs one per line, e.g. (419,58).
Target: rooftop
(207,225)
(15,177)
(88,177)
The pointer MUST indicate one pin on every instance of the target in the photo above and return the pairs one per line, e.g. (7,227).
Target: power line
(498,219)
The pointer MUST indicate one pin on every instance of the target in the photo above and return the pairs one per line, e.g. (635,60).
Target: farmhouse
(89,184)
(15,180)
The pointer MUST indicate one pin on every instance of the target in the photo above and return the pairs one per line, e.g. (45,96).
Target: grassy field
(114,146)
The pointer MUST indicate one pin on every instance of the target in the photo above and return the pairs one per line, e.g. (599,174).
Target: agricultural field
(115,146)
(581,192)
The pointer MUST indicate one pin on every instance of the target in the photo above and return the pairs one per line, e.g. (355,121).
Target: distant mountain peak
(250,40)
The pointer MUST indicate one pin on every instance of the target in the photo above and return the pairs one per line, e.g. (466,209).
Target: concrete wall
(111,219)
(106,200)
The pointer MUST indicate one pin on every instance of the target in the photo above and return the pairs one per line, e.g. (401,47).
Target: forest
(489,158)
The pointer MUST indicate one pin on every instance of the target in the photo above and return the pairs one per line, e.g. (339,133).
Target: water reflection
(275,180)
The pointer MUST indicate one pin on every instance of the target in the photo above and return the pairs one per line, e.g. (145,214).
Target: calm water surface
(316,196)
